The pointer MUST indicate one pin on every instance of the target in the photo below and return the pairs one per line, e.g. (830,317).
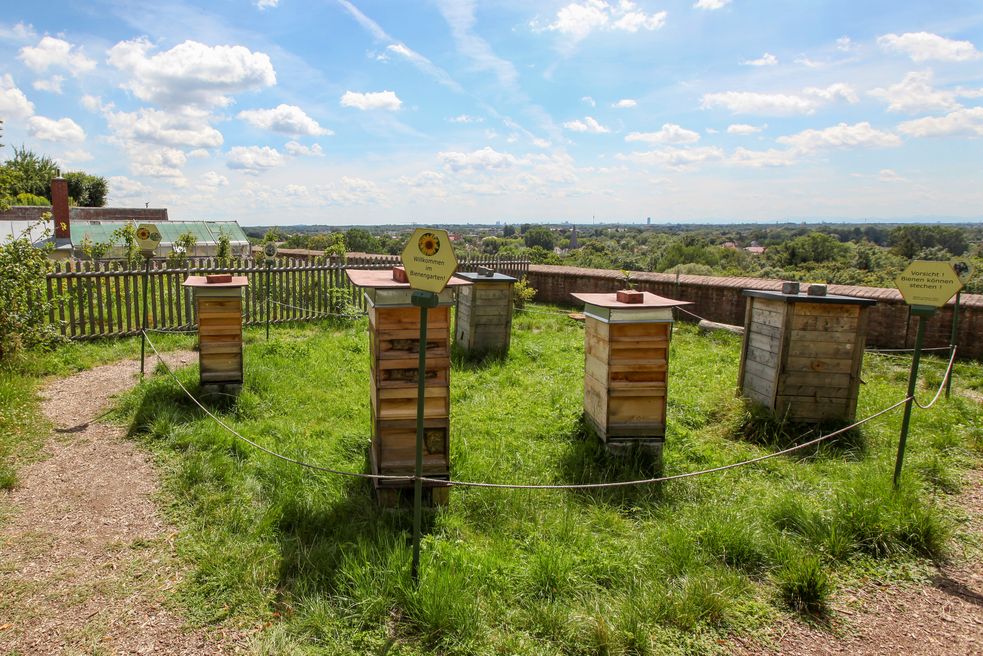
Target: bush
(803,584)
(522,293)
(24,305)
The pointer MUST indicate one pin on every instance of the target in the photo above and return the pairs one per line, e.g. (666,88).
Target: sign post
(964,271)
(429,262)
(270,252)
(148,238)
(925,286)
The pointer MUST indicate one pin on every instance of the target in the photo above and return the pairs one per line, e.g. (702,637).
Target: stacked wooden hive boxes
(394,338)
(218,302)
(803,352)
(626,363)
(484,314)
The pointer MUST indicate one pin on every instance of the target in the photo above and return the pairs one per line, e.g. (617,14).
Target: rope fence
(570,486)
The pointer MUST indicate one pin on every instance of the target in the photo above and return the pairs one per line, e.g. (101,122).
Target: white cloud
(844,44)
(757,159)
(711,5)
(156,162)
(589,124)
(779,104)
(13,103)
(94,104)
(367,101)
(212,180)
(266,4)
(57,53)
(189,129)
(466,118)
(669,134)
(460,17)
(423,179)
(288,119)
(477,161)
(833,92)
(625,103)
(190,73)
(915,94)
(18,32)
(52,84)
(766,59)
(254,159)
(75,157)
(198,153)
(63,129)
(744,129)
(540,143)
(352,191)
(967,121)
(300,150)
(925,46)
(587,100)
(578,19)
(680,159)
(122,187)
(890,175)
(859,135)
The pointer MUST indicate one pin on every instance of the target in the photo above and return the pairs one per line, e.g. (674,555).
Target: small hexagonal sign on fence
(929,284)
(429,259)
(148,237)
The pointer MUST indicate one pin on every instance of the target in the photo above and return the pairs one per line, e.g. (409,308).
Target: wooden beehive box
(626,364)
(802,354)
(219,309)
(394,346)
(483,320)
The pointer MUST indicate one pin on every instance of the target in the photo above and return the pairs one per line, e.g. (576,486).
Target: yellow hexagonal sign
(429,259)
(928,283)
(148,236)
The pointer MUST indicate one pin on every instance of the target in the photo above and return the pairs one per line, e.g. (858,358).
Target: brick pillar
(59,208)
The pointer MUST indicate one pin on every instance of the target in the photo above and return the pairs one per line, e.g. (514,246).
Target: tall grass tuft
(803,584)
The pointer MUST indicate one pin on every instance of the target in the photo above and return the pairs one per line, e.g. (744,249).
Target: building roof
(206,232)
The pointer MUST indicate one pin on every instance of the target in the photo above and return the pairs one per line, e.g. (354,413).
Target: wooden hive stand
(483,319)
(802,354)
(394,350)
(219,308)
(626,364)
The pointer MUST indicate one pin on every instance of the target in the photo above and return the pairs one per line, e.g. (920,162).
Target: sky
(279,112)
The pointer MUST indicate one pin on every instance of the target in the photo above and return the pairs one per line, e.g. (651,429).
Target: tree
(24,304)
(183,246)
(126,234)
(508,231)
(224,251)
(32,173)
(360,240)
(87,190)
(274,234)
(332,243)
(539,236)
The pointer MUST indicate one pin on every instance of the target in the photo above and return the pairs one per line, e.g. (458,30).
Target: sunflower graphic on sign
(429,244)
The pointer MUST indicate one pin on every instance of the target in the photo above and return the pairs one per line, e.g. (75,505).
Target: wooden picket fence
(104,298)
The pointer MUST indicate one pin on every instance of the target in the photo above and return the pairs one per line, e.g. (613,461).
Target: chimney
(59,208)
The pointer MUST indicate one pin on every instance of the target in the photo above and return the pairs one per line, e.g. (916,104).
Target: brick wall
(138,214)
(720,299)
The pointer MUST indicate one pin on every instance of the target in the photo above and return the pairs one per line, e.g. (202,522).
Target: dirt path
(86,561)
(943,617)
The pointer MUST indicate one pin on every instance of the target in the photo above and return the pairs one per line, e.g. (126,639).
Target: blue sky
(362,112)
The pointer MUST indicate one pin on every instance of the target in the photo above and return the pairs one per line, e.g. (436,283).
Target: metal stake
(269,292)
(143,324)
(953,341)
(923,313)
(423,300)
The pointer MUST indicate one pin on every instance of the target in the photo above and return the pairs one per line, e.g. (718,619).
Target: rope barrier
(294,461)
(572,486)
(318,312)
(945,377)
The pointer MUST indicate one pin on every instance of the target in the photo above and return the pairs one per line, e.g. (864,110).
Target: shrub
(803,584)
(24,305)
(522,293)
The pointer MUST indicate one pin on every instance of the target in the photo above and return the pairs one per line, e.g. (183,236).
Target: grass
(635,570)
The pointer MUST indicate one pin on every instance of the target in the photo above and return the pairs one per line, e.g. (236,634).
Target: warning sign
(928,283)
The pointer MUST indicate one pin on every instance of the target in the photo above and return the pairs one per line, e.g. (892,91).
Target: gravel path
(86,561)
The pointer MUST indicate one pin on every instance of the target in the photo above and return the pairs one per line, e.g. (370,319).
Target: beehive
(802,354)
(626,364)
(483,319)
(219,309)
(394,351)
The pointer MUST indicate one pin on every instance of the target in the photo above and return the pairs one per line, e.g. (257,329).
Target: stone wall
(720,299)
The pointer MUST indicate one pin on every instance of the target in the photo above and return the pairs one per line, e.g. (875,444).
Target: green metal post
(923,313)
(424,300)
(953,341)
(143,323)
(269,291)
